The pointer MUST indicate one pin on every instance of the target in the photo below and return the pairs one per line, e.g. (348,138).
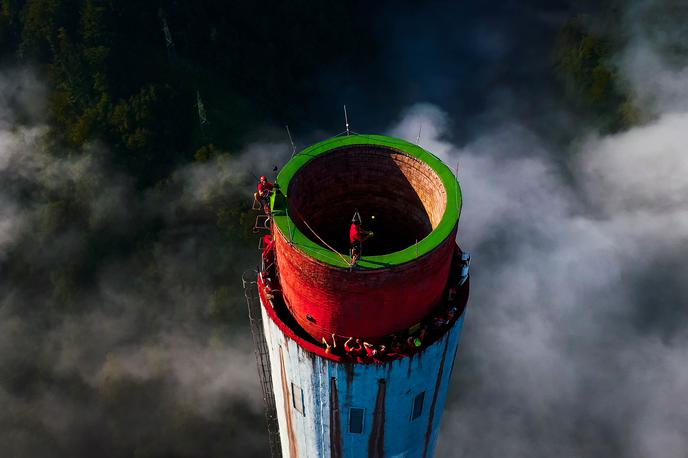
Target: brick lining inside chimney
(404,194)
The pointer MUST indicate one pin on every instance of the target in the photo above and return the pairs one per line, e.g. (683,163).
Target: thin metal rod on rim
(293,147)
(346,120)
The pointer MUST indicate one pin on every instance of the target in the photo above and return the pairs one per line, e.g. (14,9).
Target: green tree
(591,81)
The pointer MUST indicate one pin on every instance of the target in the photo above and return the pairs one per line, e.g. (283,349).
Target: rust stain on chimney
(335,423)
(376,444)
(431,417)
(286,396)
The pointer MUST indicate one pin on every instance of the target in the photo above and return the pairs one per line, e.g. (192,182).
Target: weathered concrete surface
(385,391)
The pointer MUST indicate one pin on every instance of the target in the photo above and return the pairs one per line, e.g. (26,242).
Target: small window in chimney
(356,417)
(297,399)
(418,406)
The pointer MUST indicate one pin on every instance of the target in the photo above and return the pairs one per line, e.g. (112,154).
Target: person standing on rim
(357,235)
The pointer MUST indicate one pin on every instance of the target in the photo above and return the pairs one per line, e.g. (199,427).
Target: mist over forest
(128,161)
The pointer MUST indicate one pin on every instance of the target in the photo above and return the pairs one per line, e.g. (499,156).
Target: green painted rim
(280,207)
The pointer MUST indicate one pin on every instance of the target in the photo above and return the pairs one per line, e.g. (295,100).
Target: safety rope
(325,243)
(291,236)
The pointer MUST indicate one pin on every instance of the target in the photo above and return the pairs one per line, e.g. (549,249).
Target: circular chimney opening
(399,197)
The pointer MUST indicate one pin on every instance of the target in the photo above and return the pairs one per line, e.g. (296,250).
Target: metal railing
(260,347)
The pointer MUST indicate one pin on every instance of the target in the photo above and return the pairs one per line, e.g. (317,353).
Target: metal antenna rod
(420,129)
(202,117)
(293,147)
(346,120)
(168,36)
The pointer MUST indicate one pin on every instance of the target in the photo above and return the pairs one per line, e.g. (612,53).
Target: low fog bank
(122,321)
(575,341)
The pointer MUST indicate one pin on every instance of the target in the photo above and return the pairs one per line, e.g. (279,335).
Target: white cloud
(564,359)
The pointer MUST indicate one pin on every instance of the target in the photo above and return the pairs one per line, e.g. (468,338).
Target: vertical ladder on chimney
(263,362)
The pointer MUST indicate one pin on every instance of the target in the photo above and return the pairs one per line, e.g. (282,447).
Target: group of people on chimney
(395,346)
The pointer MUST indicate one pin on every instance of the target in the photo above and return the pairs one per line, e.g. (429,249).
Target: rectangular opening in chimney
(297,398)
(356,417)
(418,405)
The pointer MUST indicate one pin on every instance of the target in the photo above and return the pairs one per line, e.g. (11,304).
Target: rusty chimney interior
(399,197)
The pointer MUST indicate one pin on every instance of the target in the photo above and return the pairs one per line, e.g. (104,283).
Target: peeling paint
(331,389)
(293,447)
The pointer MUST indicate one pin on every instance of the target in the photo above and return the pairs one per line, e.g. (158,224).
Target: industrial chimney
(404,297)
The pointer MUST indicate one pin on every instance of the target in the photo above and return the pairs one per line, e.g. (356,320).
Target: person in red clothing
(268,251)
(263,194)
(264,187)
(356,237)
(353,347)
(330,348)
(373,351)
(268,290)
